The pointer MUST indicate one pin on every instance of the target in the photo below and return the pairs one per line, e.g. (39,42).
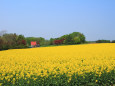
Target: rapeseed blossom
(31,63)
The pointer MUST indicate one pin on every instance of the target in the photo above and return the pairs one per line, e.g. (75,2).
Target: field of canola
(71,65)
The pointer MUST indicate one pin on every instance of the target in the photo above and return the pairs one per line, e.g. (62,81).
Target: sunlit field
(87,64)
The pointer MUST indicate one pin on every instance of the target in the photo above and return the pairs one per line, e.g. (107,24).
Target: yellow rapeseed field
(45,61)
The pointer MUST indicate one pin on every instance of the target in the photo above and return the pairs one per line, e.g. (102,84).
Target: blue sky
(54,18)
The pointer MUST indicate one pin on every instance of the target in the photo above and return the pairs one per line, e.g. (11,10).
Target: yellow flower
(0,84)
(96,80)
(8,80)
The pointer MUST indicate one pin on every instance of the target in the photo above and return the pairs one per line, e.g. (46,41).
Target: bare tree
(2,32)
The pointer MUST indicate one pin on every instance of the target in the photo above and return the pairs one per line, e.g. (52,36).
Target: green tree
(41,40)
(74,38)
(11,41)
(19,39)
(68,40)
(78,37)
(47,42)
(52,41)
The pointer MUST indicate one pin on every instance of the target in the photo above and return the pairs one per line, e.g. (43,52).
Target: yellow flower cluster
(44,61)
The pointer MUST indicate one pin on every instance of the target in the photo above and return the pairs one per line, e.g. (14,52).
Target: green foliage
(103,41)
(12,41)
(9,41)
(68,40)
(51,41)
(74,38)
(46,42)
(20,37)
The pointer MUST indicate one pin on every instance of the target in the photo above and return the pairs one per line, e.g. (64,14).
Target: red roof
(33,43)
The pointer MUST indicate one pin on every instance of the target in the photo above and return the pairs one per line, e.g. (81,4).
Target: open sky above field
(54,18)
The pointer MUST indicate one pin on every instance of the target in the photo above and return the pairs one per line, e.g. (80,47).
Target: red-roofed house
(34,44)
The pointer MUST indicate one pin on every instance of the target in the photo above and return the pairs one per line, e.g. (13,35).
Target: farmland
(88,64)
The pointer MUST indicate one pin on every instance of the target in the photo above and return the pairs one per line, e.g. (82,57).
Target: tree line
(73,38)
(14,41)
(105,41)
